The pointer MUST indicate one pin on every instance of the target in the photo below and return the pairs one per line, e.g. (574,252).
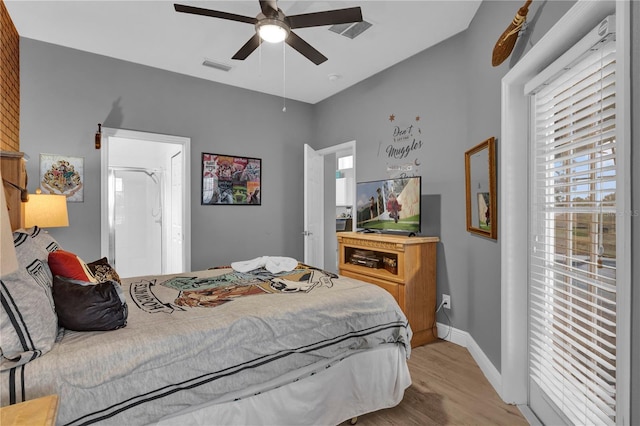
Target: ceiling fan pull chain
(284,78)
(260,59)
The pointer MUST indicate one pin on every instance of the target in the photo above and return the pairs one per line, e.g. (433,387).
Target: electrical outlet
(446,301)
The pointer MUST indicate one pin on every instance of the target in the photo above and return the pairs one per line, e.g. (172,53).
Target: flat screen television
(390,205)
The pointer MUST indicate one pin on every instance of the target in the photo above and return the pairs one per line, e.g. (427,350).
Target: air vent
(216,65)
(350,30)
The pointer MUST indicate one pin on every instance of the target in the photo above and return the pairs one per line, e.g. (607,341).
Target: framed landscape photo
(231,180)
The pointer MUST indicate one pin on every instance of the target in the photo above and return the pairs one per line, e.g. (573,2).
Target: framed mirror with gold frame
(480,177)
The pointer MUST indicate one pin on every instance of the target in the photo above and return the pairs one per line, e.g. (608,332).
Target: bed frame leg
(353,421)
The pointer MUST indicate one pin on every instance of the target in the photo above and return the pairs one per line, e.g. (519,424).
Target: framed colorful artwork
(231,180)
(62,175)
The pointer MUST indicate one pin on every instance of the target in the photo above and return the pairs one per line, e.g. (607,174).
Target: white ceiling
(153,34)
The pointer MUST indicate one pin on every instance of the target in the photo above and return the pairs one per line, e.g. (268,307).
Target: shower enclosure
(136,218)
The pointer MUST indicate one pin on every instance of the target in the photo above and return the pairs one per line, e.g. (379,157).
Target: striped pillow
(28,321)
(43,239)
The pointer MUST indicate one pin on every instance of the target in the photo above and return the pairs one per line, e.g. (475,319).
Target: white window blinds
(572,279)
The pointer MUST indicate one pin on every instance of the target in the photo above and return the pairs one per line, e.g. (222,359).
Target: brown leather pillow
(86,306)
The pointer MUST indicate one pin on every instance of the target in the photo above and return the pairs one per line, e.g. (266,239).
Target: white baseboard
(453,335)
(529,416)
(462,338)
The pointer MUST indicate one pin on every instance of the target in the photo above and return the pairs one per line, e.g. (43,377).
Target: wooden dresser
(14,174)
(407,270)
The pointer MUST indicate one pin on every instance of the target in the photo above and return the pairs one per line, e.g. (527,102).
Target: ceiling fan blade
(329,17)
(305,49)
(214,13)
(248,48)
(269,7)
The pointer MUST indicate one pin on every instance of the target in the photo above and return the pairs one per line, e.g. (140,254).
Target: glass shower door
(136,221)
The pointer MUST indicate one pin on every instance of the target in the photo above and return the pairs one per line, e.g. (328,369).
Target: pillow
(44,243)
(43,239)
(103,271)
(85,306)
(67,264)
(28,322)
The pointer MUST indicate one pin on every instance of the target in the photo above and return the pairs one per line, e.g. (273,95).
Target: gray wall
(456,92)
(66,92)
(452,87)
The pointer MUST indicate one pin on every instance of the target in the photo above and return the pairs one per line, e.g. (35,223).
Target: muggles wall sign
(402,148)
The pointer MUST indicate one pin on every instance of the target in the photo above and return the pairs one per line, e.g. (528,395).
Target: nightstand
(36,412)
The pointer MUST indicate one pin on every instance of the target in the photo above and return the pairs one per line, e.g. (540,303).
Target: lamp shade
(46,211)
(8,260)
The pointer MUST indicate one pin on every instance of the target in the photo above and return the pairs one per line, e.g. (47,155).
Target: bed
(218,346)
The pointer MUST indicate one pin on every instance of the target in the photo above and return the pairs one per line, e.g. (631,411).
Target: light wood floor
(448,389)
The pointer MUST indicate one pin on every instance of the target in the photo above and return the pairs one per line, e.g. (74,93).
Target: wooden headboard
(14,178)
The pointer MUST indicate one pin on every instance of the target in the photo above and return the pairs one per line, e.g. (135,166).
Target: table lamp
(46,210)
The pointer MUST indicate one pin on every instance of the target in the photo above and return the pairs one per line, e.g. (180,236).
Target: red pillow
(68,265)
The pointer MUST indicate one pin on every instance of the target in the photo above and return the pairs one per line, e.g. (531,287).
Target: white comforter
(185,344)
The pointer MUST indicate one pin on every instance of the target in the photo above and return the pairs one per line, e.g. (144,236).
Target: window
(345,162)
(573,225)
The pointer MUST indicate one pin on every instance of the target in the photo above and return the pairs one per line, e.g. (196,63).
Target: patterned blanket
(191,338)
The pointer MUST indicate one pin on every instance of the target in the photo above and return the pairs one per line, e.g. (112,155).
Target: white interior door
(313,208)
(316,208)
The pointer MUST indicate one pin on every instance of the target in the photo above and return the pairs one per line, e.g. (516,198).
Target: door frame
(107,133)
(345,146)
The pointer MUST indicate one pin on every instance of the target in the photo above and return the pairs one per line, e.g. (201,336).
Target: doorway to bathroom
(145,202)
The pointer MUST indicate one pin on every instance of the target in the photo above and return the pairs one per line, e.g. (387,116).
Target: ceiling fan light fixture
(273,26)
(272,30)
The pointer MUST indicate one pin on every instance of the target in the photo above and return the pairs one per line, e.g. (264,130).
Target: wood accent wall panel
(9,83)
(13,172)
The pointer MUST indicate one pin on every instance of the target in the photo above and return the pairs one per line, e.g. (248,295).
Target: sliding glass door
(574,231)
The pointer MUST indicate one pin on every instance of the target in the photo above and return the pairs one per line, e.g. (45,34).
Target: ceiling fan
(272,25)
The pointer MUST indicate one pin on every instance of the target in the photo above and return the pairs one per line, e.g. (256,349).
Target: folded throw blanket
(273,264)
